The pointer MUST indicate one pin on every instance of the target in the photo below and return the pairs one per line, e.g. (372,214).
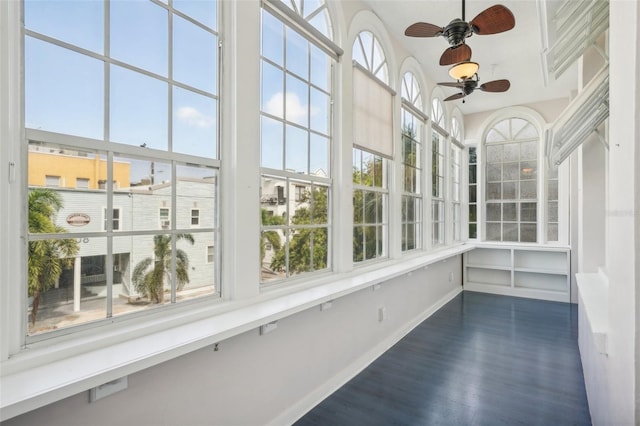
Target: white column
(76,284)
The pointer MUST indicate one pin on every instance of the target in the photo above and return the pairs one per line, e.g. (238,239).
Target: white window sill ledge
(593,301)
(40,375)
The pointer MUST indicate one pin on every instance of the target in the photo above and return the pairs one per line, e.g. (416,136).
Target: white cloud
(296,112)
(192,117)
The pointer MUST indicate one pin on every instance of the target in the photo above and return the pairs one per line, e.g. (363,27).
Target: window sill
(42,374)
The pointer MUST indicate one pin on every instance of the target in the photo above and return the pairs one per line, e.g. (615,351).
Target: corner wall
(268,379)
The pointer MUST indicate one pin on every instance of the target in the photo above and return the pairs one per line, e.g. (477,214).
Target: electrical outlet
(326,305)
(376,287)
(382,314)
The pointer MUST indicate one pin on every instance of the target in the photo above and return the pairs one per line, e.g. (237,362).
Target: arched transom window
(368,52)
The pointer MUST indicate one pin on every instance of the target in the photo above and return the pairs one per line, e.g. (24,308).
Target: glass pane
(320,68)
(195,265)
(528,170)
(194,124)
(509,190)
(319,156)
(358,206)
(509,212)
(319,111)
(202,11)
(552,232)
(138,109)
(320,246)
(553,190)
(370,207)
(195,55)
(494,172)
(473,193)
(494,232)
(358,243)
(297,150)
(297,101)
(297,54)
(552,211)
(272,143)
(69,96)
(147,194)
(511,152)
(511,171)
(272,38)
(302,204)
(139,34)
(273,201)
(67,281)
(150,259)
(494,212)
(494,153)
(473,159)
(528,212)
(319,212)
(273,247)
(370,248)
(528,232)
(80,23)
(494,191)
(196,189)
(528,190)
(473,213)
(510,232)
(529,150)
(272,90)
(473,230)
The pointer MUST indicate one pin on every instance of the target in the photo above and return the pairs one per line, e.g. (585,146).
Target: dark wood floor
(480,360)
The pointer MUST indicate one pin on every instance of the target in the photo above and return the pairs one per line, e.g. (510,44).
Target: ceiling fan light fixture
(464,70)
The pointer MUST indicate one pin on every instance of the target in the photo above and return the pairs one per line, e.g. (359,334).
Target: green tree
(367,210)
(149,274)
(269,236)
(301,240)
(47,258)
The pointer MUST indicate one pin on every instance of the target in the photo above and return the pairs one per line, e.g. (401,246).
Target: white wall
(273,378)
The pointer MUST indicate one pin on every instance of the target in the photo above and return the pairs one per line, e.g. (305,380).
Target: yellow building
(64,169)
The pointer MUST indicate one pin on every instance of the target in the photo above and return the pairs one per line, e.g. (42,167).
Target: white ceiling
(514,55)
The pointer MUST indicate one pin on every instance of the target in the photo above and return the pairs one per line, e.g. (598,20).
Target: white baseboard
(304,405)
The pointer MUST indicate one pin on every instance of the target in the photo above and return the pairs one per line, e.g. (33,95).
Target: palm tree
(47,258)
(149,275)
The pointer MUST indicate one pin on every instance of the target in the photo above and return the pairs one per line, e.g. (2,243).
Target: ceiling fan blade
(493,20)
(454,97)
(449,84)
(454,55)
(423,29)
(495,86)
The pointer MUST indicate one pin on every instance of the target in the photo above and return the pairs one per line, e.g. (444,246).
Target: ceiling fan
(493,20)
(469,84)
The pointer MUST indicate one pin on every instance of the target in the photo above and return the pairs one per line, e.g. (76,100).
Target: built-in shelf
(539,272)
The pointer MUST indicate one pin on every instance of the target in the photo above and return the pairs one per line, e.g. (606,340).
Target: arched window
(373,147)
(412,127)
(295,139)
(511,170)
(438,157)
(456,175)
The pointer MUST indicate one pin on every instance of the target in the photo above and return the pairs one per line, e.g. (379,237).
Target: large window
(438,156)
(455,158)
(373,148)
(295,140)
(473,192)
(511,153)
(412,129)
(127,94)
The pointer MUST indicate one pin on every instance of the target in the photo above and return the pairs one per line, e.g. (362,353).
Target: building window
(552,203)
(115,221)
(412,130)
(82,183)
(152,108)
(296,80)
(511,153)
(52,181)
(165,218)
(455,158)
(195,217)
(210,254)
(473,193)
(438,170)
(370,201)
(373,148)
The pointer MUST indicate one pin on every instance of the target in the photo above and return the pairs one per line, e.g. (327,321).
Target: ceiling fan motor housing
(457,31)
